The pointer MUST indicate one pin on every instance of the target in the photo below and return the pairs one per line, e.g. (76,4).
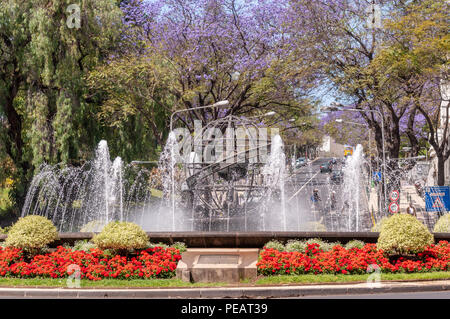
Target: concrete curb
(230,292)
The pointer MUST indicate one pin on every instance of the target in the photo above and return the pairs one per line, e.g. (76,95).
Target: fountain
(222,178)
(353,188)
(204,190)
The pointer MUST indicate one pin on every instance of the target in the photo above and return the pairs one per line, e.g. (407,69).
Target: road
(398,295)
(299,189)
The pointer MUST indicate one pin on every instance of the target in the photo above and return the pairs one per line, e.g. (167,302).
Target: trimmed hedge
(403,234)
(31,233)
(121,236)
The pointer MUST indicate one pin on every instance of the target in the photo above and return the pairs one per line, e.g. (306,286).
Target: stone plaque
(218,259)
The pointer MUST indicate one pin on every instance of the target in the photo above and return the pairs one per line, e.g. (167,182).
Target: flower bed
(351,261)
(96,264)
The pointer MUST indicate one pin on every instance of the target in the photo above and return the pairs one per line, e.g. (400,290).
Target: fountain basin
(237,239)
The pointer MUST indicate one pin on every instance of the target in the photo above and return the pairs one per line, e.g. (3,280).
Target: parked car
(336,177)
(328,167)
(301,161)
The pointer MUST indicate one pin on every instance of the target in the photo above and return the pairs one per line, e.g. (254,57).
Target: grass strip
(323,278)
(174,283)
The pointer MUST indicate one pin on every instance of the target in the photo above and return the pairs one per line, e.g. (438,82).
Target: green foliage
(31,233)
(180,246)
(121,236)
(275,244)
(354,244)
(83,245)
(443,224)
(404,234)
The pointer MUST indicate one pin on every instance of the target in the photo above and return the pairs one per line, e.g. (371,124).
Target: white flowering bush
(443,224)
(355,244)
(31,233)
(121,236)
(83,245)
(275,244)
(403,234)
(296,245)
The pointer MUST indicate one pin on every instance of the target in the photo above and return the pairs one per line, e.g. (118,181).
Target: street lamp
(339,107)
(220,105)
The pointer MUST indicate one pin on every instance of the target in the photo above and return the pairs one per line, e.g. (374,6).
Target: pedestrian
(411,210)
(333,200)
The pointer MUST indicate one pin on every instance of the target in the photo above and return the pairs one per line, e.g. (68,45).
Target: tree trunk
(441,170)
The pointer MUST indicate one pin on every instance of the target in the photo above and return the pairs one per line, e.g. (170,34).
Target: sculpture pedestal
(228,265)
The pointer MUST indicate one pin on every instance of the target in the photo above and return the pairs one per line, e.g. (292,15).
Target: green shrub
(443,224)
(355,244)
(377,227)
(404,234)
(83,245)
(274,244)
(31,233)
(180,246)
(296,245)
(121,236)
(93,226)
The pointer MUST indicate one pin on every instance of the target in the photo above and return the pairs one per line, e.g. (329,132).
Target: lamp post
(220,104)
(338,107)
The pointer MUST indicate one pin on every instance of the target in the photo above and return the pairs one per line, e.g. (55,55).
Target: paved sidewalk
(230,292)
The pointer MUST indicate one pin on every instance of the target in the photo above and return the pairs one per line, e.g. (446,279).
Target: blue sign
(377,176)
(437,198)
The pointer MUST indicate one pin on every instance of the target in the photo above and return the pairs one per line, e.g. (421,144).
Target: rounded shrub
(31,233)
(274,244)
(355,244)
(121,236)
(443,224)
(403,234)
